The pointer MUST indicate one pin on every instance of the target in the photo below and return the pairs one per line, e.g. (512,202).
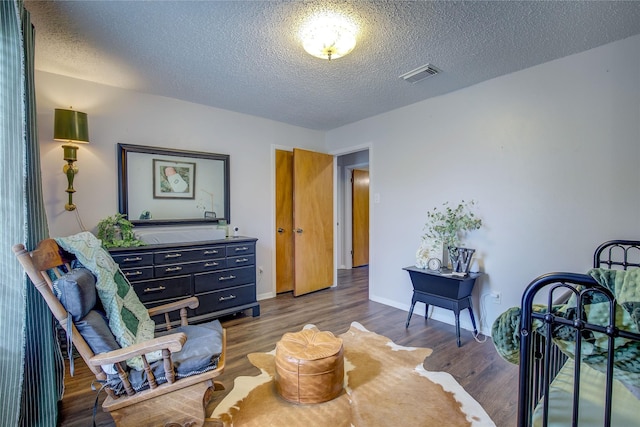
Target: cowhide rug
(385,385)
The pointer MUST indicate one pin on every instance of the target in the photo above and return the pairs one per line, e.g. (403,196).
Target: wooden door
(360,221)
(284,221)
(312,220)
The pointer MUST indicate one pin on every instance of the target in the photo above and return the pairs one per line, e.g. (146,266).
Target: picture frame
(203,198)
(173,180)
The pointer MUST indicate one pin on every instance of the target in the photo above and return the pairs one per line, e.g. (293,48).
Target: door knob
(280,230)
(299,230)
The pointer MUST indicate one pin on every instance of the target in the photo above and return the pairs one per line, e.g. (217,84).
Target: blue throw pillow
(203,347)
(200,353)
(95,331)
(76,290)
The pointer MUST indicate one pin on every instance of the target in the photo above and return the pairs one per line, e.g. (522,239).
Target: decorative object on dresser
(117,231)
(460,259)
(221,273)
(443,230)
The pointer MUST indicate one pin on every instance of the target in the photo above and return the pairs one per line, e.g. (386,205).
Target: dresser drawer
(186,255)
(152,290)
(242,249)
(169,270)
(241,261)
(213,264)
(133,259)
(205,282)
(190,267)
(226,298)
(137,274)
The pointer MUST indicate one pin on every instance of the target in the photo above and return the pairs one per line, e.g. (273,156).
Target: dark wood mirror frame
(206,180)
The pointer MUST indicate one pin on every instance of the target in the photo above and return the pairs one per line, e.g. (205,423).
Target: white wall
(117,115)
(550,154)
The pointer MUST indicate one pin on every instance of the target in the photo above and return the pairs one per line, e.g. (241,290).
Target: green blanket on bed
(625,286)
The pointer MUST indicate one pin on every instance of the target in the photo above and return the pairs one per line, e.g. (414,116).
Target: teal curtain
(31,366)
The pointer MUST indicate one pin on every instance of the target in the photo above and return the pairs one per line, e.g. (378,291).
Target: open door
(360,220)
(284,221)
(313,221)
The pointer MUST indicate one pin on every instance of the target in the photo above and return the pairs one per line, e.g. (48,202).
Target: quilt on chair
(129,320)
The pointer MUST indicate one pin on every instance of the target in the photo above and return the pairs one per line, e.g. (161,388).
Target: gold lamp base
(70,155)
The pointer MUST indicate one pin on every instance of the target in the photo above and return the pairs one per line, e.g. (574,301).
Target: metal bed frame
(540,358)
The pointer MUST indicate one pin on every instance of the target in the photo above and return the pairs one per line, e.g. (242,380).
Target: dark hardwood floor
(492,381)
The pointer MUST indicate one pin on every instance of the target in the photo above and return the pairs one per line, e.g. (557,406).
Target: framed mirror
(161,186)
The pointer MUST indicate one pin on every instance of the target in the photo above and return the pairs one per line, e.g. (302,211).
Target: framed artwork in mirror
(173,180)
(161,186)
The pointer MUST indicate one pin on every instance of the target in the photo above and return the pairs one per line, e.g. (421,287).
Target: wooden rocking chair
(177,402)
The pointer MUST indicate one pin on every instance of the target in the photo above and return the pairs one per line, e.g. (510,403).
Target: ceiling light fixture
(328,35)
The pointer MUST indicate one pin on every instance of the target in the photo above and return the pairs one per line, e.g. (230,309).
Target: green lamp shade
(70,126)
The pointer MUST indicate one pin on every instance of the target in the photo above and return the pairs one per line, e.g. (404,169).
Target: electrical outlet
(496,297)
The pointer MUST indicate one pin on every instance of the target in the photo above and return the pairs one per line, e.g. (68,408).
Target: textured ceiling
(244,56)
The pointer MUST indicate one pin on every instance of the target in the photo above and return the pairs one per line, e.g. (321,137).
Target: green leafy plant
(446,226)
(117,231)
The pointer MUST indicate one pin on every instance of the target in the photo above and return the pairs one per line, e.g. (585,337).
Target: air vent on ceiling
(420,73)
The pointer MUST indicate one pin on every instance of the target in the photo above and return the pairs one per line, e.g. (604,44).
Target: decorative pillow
(203,347)
(199,354)
(95,331)
(129,320)
(76,290)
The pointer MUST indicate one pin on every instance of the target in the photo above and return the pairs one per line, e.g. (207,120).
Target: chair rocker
(176,402)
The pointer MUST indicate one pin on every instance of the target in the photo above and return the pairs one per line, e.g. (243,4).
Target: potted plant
(117,231)
(445,227)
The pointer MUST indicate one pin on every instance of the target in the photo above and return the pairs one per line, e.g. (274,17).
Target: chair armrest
(191,303)
(172,342)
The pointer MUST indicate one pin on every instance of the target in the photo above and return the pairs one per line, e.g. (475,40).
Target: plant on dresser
(221,273)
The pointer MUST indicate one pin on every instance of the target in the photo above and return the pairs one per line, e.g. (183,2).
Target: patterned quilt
(625,286)
(129,320)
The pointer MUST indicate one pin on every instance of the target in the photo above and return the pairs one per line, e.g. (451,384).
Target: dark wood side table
(443,290)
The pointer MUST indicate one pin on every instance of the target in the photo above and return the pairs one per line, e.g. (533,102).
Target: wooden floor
(476,366)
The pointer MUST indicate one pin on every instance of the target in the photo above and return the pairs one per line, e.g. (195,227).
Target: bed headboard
(618,255)
(541,359)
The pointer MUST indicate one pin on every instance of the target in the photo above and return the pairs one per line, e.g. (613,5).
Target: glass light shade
(70,126)
(328,36)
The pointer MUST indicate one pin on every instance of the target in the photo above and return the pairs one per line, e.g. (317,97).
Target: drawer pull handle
(138,258)
(211,264)
(242,260)
(133,273)
(211,252)
(172,256)
(244,248)
(171,269)
(227,298)
(159,288)
(222,278)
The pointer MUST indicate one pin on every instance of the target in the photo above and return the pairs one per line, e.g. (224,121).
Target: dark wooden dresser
(221,273)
